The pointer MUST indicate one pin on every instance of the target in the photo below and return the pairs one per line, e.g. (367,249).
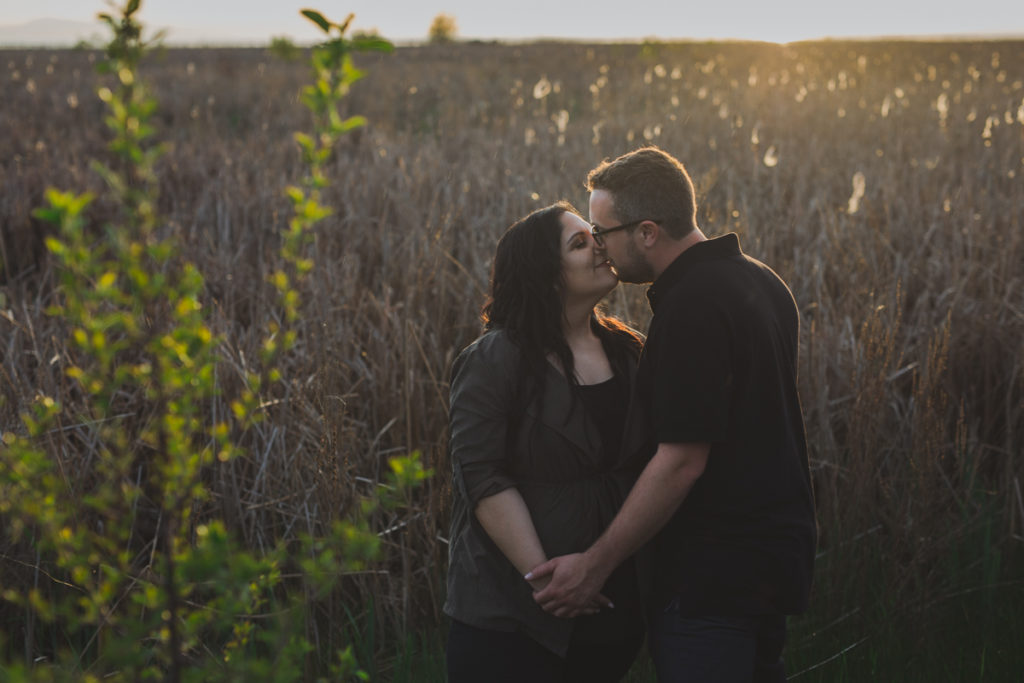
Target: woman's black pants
(476,655)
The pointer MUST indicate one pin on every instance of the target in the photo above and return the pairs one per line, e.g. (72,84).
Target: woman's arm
(481,393)
(507,521)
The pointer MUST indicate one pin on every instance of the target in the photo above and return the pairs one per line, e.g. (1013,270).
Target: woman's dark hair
(526,301)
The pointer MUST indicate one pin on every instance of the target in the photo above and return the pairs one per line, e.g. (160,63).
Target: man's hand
(574,586)
(538,583)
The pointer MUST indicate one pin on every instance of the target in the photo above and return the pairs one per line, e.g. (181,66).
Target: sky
(256,21)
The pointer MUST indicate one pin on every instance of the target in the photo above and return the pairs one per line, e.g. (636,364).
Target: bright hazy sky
(781,20)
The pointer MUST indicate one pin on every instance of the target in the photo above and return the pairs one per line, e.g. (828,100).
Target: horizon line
(228,41)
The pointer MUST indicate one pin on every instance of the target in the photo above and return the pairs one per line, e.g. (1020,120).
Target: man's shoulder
(721,289)
(694,288)
(735,271)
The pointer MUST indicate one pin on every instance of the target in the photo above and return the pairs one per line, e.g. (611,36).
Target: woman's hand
(575,588)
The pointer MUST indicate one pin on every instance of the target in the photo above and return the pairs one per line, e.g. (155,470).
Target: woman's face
(585,268)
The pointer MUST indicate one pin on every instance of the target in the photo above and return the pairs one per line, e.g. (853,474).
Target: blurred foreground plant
(140,583)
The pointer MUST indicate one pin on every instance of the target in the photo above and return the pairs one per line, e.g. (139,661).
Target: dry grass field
(883,180)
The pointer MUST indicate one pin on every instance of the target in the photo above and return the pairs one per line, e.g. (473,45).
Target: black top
(603,403)
(720,366)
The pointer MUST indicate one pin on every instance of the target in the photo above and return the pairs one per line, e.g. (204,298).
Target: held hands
(573,586)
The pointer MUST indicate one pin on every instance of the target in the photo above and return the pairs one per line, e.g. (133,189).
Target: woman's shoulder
(496,343)
(494,348)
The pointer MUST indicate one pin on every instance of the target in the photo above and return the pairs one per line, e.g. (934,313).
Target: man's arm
(657,494)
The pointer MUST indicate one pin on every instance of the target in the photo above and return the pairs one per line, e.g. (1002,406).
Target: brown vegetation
(912,365)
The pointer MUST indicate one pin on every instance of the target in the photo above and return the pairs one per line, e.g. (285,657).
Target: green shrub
(142,583)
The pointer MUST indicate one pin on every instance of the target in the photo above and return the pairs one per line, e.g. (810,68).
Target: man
(726,497)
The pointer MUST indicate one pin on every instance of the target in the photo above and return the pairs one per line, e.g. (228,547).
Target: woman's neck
(576,326)
(590,363)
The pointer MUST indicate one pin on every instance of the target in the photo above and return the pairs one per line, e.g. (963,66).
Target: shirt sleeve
(693,373)
(478,412)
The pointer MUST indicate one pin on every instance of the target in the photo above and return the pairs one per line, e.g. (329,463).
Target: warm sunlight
(235,21)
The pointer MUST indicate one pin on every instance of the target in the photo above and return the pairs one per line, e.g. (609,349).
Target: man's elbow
(695,468)
(685,463)
(688,474)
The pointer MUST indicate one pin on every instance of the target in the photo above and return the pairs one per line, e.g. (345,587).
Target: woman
(540,461)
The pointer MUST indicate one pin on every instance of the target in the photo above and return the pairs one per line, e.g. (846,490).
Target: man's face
(620,246)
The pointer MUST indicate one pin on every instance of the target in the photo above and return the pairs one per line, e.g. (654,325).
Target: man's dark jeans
(716,649)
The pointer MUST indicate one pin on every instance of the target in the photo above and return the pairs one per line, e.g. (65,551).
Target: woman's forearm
(507,521)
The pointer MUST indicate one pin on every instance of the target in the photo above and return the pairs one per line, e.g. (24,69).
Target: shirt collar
(725,246)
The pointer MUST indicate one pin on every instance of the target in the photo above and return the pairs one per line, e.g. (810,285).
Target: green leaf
(351,75)
(77,204)
(58,199)
(106,281)
(313,212)
(351,123)
(279,279)
(294,193)
(48,215)
(317,19)
(373,43)
(305,141)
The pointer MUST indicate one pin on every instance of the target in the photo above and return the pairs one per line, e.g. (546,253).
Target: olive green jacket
(555,463)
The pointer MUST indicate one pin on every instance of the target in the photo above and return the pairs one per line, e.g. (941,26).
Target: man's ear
(649,233)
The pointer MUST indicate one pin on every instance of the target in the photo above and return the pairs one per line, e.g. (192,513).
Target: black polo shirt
(720,366)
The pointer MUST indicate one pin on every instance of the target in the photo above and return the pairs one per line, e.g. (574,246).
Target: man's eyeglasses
(598,232)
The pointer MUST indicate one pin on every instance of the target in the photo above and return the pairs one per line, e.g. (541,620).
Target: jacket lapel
(554,413)
(580,429)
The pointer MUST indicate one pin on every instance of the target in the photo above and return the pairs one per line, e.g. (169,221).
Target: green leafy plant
(143,582)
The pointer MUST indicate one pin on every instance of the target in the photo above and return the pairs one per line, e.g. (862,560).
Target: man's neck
(662,258)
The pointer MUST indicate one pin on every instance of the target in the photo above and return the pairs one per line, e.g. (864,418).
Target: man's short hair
(649,183)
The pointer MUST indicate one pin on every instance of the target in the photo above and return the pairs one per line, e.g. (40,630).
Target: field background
(883,180)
